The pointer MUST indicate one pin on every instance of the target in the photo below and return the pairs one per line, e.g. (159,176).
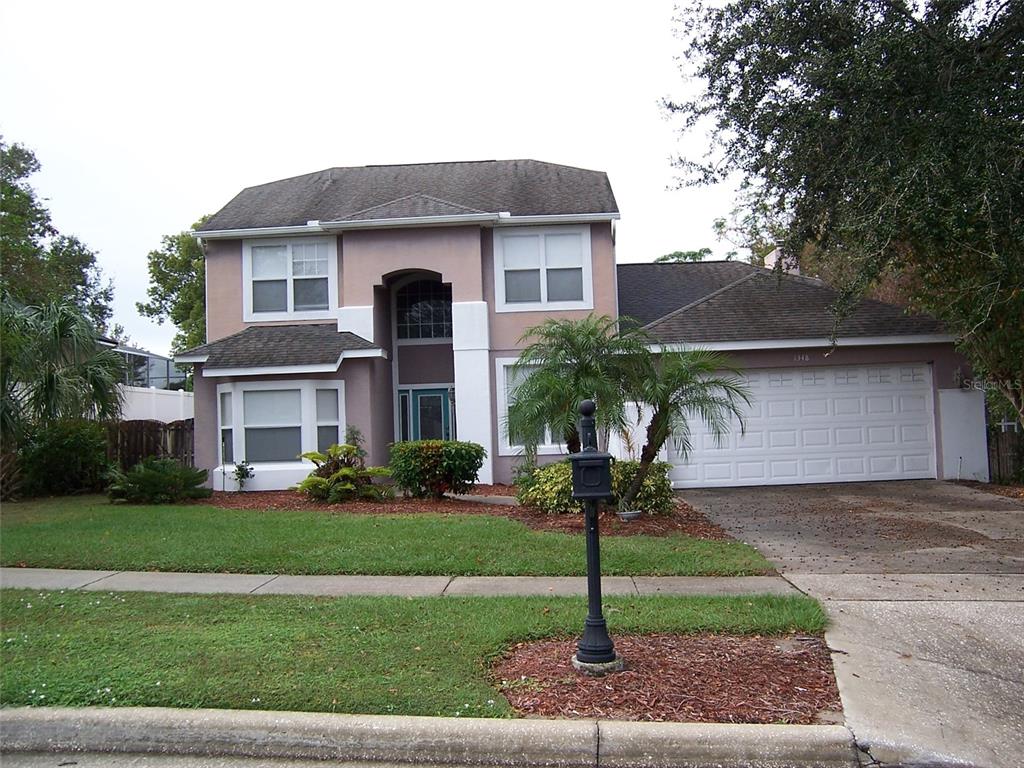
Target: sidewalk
(402,586)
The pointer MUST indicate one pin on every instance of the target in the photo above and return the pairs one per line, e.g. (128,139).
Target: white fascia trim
(312,228)
(264,370)
(319,227)
(852,341)
(191,358)
(508,220)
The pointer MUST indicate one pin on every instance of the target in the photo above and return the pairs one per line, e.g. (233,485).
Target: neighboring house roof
(757,305)
(648,292)
(520,187)
(280,346)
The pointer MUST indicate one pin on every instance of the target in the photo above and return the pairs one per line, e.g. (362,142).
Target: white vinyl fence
(157,404)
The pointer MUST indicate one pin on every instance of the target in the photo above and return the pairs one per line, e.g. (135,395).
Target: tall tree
(177,288)
(888,138)
(39,265)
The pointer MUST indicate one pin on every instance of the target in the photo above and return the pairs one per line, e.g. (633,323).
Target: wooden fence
(129,442)
(1005,456)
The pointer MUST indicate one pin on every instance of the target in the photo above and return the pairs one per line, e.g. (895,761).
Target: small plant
(550,488)
(243,471)
(341,475)
(157,481)
(432,468)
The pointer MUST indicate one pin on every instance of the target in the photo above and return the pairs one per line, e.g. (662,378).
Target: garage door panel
(834,424)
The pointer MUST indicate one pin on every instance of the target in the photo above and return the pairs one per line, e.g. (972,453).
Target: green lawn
(423,656)
(87,532)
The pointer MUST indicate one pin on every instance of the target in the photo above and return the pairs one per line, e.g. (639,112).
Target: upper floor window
(423,310)
(542,268)
(289,278)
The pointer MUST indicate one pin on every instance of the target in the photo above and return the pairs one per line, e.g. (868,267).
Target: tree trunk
(572,441)
(648,455)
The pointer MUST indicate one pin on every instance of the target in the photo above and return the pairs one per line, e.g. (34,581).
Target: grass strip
(380,655)
(87,532)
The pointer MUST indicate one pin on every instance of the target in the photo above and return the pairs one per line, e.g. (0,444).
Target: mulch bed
(685,678)
(1012,491)
(684,520)
(494,489)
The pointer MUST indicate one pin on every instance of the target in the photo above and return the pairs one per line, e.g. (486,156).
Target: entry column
(471,349)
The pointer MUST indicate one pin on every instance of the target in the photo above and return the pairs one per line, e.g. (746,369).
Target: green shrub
(341,475)
(655,497)
(158,481)
(65,457)
(550,488)
(432,468)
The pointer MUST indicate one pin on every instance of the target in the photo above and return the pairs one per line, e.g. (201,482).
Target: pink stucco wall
(372,255)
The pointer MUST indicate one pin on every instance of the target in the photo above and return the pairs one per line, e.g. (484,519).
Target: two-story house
(394,299)
(389,298)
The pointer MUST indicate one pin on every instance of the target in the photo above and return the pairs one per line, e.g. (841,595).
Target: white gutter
(319,227)
(506,219)
(851,341)
(191,358)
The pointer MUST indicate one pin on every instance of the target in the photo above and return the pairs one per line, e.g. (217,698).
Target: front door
(425,414)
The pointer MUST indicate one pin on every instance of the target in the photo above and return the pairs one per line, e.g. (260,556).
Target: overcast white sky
(146,116)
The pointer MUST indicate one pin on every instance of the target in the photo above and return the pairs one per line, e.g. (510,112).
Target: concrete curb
(441,741)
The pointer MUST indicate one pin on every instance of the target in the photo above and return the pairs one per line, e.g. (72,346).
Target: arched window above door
(423,310)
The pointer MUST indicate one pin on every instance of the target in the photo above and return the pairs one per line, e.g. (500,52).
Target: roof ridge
(701,300)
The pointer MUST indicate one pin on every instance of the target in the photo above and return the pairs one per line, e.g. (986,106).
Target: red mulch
(684,520)
(685,678)
(494,489)
(1015,491)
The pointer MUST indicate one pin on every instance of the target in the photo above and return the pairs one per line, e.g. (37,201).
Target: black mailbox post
(592,482)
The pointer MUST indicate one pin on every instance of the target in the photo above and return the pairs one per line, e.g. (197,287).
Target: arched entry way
(424,367)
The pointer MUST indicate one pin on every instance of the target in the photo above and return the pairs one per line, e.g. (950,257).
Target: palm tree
(52,367)
(680,386)
(568,361)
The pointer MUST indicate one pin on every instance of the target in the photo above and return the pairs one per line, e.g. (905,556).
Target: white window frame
(307,393)
(500,305)
(338,423)
(330,313)
(505,448)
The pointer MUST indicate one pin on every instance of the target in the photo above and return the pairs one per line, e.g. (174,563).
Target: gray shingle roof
(648,292)
(280,345)
(521,187)
(764,305)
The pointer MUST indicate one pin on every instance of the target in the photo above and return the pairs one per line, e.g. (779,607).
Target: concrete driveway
(924,584)
(910,526)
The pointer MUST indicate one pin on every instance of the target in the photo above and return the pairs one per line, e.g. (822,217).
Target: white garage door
(821,425)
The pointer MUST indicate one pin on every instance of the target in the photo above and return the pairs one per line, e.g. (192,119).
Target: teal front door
(425,414)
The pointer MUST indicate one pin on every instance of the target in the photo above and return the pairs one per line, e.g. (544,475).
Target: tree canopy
(40,265)
(677,257)
(884,138)
(177,288)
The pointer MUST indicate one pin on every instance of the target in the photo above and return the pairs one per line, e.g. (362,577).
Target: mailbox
(591,468)
(591,475)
